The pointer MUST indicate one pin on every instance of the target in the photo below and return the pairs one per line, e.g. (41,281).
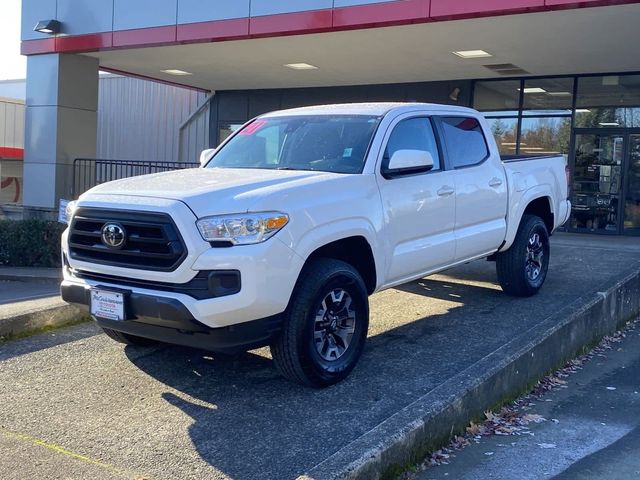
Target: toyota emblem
(113,235)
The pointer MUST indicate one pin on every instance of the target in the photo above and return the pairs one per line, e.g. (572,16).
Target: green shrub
(30,243)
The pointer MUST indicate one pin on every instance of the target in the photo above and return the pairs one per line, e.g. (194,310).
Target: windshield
(328,143)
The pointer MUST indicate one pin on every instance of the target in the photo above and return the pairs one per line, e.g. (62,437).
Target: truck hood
(212,191)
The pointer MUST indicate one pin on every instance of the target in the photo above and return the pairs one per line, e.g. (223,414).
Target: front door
(605,191)
(420,209)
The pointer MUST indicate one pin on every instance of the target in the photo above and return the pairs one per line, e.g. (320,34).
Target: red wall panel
(213,30)
(444,9)
(402,11)
(308,22)
(145,36)
(84,43)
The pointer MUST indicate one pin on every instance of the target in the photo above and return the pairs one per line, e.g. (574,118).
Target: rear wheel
(128,339)
(522,269)
(325,326)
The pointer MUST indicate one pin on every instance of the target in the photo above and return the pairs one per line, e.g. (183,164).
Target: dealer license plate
(106,304)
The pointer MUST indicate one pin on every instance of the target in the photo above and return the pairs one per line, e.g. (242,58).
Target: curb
(428,423)
(26,277)
(40,318)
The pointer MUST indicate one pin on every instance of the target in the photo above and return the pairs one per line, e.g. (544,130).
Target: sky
(12,64)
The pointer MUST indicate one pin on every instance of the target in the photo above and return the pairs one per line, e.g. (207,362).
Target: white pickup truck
(296,219)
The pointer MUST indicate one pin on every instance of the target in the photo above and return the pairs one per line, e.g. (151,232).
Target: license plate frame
(108,304)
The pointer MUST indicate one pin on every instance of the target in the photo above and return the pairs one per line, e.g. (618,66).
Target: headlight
(69,210)
(243,228)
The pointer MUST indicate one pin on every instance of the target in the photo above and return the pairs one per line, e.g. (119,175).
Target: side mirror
(206,155)
(405,162)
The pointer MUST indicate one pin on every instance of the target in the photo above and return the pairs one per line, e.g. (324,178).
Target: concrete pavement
(591,432)
(168,412)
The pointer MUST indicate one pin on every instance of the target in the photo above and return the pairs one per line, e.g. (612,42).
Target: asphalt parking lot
(77,405)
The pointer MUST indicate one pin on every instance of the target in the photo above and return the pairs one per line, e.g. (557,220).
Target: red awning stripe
(12,153)
(394,12)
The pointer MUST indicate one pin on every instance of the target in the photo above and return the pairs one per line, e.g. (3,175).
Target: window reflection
(607,117)
(505,131)
(226,129)
(545,135)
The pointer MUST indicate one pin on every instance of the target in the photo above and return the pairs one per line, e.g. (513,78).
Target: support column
(60,125)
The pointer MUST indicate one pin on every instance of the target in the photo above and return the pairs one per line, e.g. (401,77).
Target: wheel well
(355,251)
(541,207)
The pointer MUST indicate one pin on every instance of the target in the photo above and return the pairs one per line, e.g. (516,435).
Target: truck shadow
(250,423)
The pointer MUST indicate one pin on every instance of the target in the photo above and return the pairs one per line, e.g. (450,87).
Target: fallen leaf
(533,417)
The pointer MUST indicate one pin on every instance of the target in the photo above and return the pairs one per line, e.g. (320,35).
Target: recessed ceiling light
(534,90)
(173,71)
(560,94)
(472,54)
(301,66)
(609,124)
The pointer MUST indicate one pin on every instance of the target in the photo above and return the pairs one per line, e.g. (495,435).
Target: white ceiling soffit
(587,40)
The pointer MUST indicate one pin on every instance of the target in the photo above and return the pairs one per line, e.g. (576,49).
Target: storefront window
(607,117)
(497,95)
(549,94)
(608,91)
(545,135)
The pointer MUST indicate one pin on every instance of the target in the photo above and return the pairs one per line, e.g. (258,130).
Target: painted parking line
(68,453)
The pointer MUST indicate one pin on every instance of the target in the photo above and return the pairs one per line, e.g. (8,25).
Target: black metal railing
(89,172)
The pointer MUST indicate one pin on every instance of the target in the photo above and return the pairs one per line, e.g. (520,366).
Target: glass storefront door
(596,185)
(631,223)
(605,189)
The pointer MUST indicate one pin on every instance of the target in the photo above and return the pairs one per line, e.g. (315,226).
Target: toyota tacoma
(292,222)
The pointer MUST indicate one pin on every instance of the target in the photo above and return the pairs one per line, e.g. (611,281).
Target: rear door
(480,184)
(419,208)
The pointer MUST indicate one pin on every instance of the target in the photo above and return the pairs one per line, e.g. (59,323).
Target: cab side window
(412,134)
(466,145)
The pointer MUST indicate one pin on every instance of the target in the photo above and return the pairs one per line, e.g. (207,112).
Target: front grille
(152,239)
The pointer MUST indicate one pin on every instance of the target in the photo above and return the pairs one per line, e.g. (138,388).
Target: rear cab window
(465,141)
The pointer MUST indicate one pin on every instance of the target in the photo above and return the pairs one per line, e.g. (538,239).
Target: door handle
(495,182)
(446,191)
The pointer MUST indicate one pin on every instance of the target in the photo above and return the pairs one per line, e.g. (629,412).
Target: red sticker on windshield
(253,127)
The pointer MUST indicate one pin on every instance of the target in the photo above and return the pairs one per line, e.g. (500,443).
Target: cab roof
(374,109)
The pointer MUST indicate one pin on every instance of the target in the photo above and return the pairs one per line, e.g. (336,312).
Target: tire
(522,269)
(128,339)
(325,325)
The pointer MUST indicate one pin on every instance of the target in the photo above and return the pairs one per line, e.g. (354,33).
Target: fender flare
(515,218)
(327,233)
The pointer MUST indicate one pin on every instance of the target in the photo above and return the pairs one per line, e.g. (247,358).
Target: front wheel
(325,326)
(523,268)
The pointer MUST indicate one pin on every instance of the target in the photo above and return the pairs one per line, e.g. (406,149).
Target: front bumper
(168,320)
(268,272)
